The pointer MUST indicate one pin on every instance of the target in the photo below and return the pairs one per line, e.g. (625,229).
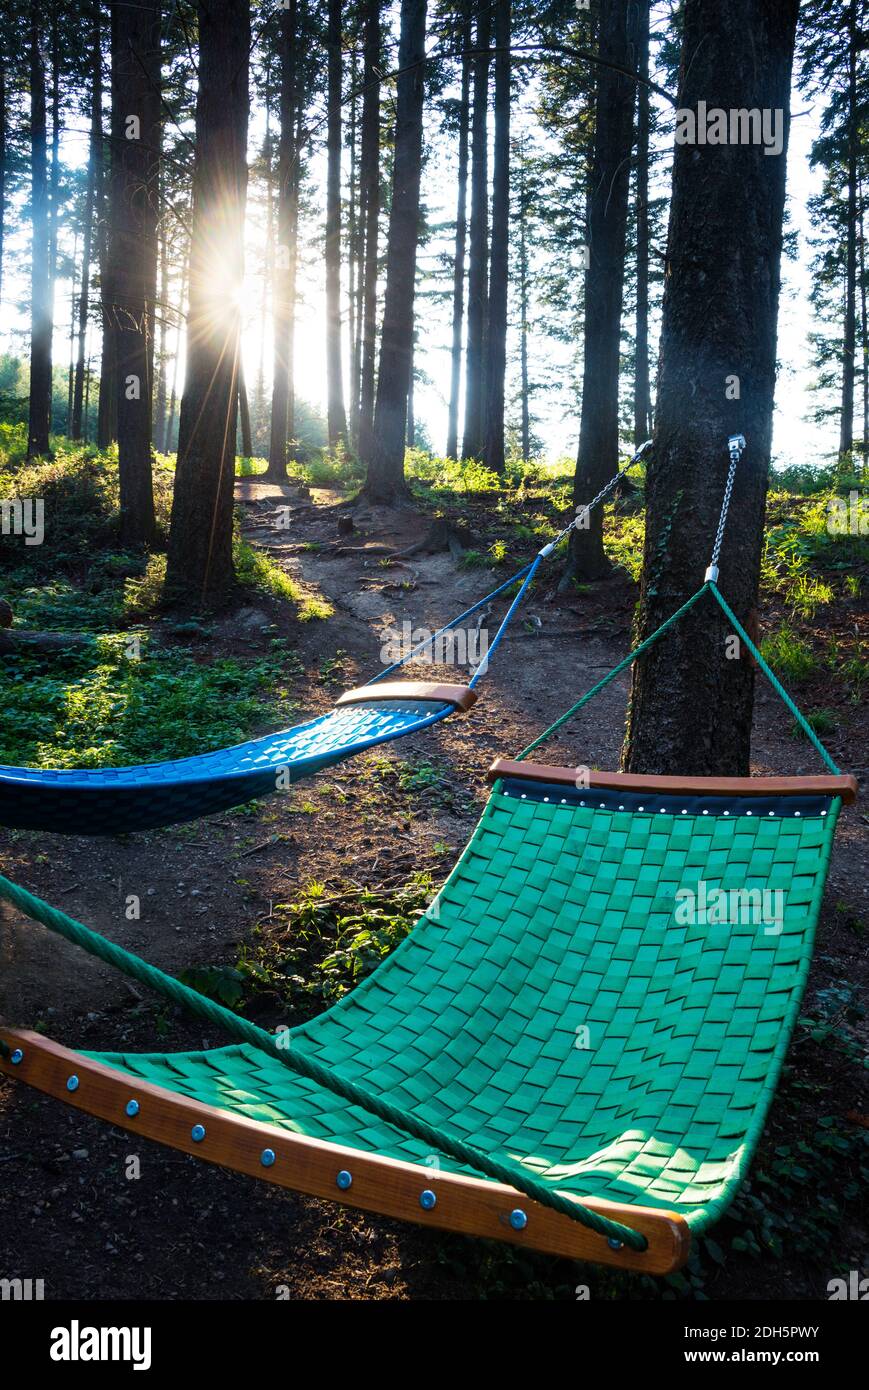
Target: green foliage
(822,721)
(257,570)
(331,940)
(111,709)
(788,655)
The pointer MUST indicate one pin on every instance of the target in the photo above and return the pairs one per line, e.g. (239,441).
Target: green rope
(629,659)
(502,1171)
(773,680)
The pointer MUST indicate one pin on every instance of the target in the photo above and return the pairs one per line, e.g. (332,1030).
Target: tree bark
(40,273)
(2,163)
(642,390)
(385,466)
(106,409)
(160,368)
(94,162)
(335,412)
(478,274)
(284,300)
(691,706)
(452,451)
(132,252)
(499,270)
(54,177)
(525,404)
(864,330)
(355,251)
(200,540)
(849,340)
(244,430)
(369,194)
(598,453)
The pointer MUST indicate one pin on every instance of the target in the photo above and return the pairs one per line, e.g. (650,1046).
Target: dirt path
(184,1230)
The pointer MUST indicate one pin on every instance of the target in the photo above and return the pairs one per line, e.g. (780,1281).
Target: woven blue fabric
(114,801)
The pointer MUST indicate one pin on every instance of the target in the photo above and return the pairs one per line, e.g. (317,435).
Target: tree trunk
(642,390)
(369,194)
(94,162)
(598,454)
(2,164)
(284,298)
(523,310)
(849,340)
(106,409)
(40,271)
(355,244)
(73,304)
(244,411)
(385,481)
(499,270)
(200,541)
(335,413)
(472,443)
(162,310)
(691,706)
(452,451)
(55,177)
(268,257)
(132,252)
(864,330)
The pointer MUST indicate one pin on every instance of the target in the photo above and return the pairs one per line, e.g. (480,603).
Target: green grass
(329,940)
(788,655)
(823,721)
(257,570)
(108,709)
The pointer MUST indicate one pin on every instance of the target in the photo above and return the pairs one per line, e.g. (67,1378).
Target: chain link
(582,513)
(736,445)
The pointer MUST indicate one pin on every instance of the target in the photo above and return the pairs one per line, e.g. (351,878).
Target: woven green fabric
(559,918)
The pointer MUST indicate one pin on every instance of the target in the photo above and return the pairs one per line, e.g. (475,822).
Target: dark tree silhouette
(200,540)
(40,275)
(385,464)
(604,284)
(691,707)
(499,269)
(132,252)
(478,250)
(335,411)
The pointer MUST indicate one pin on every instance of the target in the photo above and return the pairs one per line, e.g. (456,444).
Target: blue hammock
(118,800)
(113,801)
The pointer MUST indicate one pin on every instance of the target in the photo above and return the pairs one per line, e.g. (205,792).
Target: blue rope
(460,619)
(484,664)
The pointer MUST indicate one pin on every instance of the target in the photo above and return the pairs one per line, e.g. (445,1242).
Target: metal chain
(583,512)
(736,445)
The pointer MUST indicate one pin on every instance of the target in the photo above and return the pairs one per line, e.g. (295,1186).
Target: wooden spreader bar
(824,785)
(461,696)
(391,1187)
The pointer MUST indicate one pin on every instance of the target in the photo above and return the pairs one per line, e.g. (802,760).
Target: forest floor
(254,897)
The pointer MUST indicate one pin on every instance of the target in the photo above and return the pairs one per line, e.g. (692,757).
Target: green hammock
(550,1023)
